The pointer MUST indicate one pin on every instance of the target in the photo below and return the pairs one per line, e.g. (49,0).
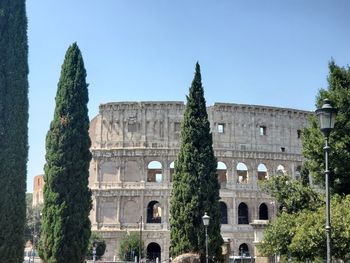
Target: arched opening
(280,169)
(154,172)
(243,214)
(262,172)
(221,171)
(153,252)
(244,250)
(223,209)
(154,212)
(242,173)
(263,212)
(172,170)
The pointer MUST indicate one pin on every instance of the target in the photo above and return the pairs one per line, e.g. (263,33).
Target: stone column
(259,227)
(118,202)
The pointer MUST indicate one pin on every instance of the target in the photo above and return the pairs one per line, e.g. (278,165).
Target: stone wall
(38,190)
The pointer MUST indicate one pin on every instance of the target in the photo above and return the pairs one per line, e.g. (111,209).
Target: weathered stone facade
(38,190)
(134,145)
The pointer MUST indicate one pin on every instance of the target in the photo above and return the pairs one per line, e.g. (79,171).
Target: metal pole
(206,244)
(328,212)
(94,253)
(140,245)
(34,233)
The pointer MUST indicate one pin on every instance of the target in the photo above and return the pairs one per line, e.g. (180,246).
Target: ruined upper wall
(257,128)
(234,126)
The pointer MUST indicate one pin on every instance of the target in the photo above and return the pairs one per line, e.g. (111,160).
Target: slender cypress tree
(13,128)
(66,225)
(195,185)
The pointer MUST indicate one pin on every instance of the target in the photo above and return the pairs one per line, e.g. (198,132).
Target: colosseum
(134,145)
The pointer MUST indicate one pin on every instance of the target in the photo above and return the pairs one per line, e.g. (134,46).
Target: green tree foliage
(291,195)
(195,184)
(66,225)
(96,241)
(130,247)
(309,240)
(300,230)
(305,213)
(313,141)
(33,219)
(28,229)
(278,236)
(13,128)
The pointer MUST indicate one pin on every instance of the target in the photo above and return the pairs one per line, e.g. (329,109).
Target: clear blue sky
(252,52)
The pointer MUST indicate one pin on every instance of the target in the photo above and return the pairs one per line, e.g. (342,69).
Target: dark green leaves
(13,128)
(195,185)
(339,94)
(66,226)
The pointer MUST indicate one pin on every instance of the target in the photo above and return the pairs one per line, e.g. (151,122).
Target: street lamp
(326,116)
(206,219)
(36,217)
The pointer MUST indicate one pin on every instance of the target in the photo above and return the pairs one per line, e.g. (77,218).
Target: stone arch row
(153,253)
(243,213)
(154,212)
(154,171)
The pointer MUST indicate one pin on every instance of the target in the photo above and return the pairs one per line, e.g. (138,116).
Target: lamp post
(36,217)
(206,219)
(326,116)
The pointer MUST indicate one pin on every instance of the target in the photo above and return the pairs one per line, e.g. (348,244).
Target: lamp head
(326,116)
(206,219)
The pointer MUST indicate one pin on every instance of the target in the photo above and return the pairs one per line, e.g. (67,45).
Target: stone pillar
(118,169)
(118,202)
(259,227)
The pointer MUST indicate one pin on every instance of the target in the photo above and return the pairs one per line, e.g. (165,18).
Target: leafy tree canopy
(291,195)
(96,241)
(302,234)
(130,246)
(309,240)
(300,230)
(278,236)
(33,219)
(338,93)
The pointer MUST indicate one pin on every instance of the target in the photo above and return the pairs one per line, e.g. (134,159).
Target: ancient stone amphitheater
(134,145)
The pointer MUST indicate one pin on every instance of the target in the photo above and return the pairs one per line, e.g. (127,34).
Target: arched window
(263,212)
(244,250)
(280,169)
(243,214)
(223,209)
(172,170)
(154,172)
(221,171)
(154,212)
(153,252)
(262,172)
(242,173)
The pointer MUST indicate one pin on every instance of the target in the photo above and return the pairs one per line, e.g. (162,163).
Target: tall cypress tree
(195,185)
(66,225)
(13,128)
